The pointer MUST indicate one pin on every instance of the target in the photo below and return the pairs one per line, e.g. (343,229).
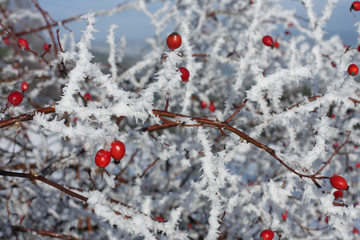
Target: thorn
(62,194)
(33,173)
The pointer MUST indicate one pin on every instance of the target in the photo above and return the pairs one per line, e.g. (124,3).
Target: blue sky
(135,26)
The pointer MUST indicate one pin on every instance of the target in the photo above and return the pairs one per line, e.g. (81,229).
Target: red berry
(267,234)
(339,182)
(327,219)
(117,150)
(102,158)
(358,48)
(160,219)
(284,215)
(355,6)
(184,74)
(357,165)
(174,41)
(353,69)
(46,46)
(211,107)
(6,40)
(333,64)
(24,86)
(15,98)
(276,45)
(23,43)
(267,40)
(355,231)
(87,97)
(203,104)
(338,194)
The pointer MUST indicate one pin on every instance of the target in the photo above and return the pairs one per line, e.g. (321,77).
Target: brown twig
(354,100)
(335,152)
(223,125)
(25,117)
(17,228)
(33,176)
(45,16)
(15,38)
(58,39)
(220,222)
(310,99)
(236,112)
(167,102)
(151,165)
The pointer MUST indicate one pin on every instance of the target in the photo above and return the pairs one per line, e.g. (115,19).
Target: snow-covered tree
(263,135)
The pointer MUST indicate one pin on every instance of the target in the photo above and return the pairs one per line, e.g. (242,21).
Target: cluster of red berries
(203,105)
(16,97)
(339,183)
(211,106)
(336,181)
(174,42)
(117,151)
(23,43)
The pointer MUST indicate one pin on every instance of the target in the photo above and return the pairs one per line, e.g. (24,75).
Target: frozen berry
(23,44)
(117,150)
(268,40)
(15,98)
(102,158)
(353,69)
(184,74)
(267,234)
(24,86)
(339,182)
(174,41)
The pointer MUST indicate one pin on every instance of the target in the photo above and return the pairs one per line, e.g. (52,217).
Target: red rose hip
(24,86)
(46,46)
(15,98)
(117,150)
(355,6)
(338,194)
(339,182)
(6,40)
(174,41)
(184,74)
(102,158)
(353,69)
(203,104)
(211,107)
(267,234)
(23,44)
(88,97)
(268,41)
